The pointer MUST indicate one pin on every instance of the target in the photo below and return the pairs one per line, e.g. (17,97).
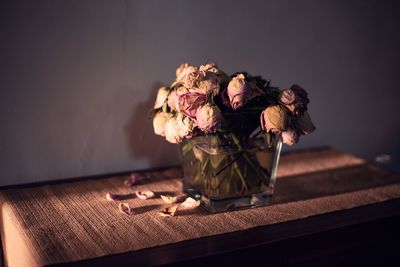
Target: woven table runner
(74,221)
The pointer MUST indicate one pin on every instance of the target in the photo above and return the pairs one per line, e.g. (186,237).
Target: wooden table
(329,209)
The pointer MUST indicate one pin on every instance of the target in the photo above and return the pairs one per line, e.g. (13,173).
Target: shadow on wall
(142,142)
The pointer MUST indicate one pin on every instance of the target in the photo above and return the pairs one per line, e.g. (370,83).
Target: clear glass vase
(227,173)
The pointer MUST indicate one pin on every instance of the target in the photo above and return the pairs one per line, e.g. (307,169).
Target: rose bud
(172,131)
(303,123)
(161,97)
(295,99)
(183,71)
(186,125)
(290,137)
(274,118)
(240,91)
(189,102)
(209,118)
(159,121)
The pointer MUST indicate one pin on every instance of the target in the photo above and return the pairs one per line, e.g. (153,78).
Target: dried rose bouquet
(230,128)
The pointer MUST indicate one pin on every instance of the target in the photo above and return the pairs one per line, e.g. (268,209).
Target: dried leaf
(169,199)
(113,197)
(124,208)
(190,203)
(145,194)
(135,178)
(168,212)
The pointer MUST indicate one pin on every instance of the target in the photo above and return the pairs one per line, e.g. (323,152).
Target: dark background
(78,78)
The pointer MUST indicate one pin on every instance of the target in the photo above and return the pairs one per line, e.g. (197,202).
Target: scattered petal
(124,208)
(168,212)
(135,178)
(113,197)
(145,194)
(169,199)
(190,203)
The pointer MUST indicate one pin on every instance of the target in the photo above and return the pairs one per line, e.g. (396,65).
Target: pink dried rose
(240,91)
(303,123)
(173,100)
(168,212)
(162,96)
(209,118)
(189,102)
(295,99)
(113,197)
(290,137)
(124,208)
(159,121)
(145,194)
(274,119)
(135,178)
(172,131)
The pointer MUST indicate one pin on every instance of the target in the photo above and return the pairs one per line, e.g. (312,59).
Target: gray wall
(79,77)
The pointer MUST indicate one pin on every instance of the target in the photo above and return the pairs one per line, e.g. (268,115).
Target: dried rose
(173,100)
(145,194)
(240,91)
(303,123)
(159,121)
(295,99)
(208,84)
(183,71)
(290,137)
(209,118)
(168,212)
(274,118)
(190,203)
(186,125)
(172,131)
(162,96)
(124,208)
(188,103)
(169,199)
(211,67)
(134,178)
(113,197)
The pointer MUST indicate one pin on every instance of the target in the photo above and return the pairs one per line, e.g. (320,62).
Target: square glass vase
(226,174)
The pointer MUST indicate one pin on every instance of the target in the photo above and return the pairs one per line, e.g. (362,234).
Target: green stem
(242,178)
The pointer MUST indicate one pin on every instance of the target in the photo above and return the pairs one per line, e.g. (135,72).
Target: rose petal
(190,203)
(168,212)
(145,194)
(135,178)
(169,199)
(124,208)
(113,197)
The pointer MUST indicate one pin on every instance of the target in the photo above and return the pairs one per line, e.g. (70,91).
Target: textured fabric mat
(74,221)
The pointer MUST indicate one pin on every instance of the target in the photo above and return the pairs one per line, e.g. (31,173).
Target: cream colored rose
(172,131)
(274,118)
(211,67)
(162,96)
(186,125)
(209,118)
(183,71)
(240,91)
(159,122)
